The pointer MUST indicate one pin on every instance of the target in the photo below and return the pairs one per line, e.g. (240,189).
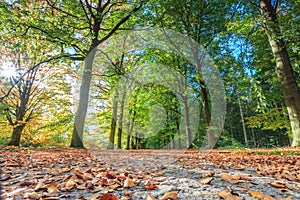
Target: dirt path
(89,174)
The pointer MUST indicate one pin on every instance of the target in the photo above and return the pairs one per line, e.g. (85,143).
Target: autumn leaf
(232,179)
(39,186)
(128,183)
(32,195)
(150,186)
(228,196)
(170,196)
(278,185)
(70,184)
(110,175)
(158,173)
(206,180)
(260,195)
(209,174)
(52,188)
(109,197)
(113,186)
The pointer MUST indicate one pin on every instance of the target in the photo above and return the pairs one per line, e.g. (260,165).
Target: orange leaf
(260,195)
(211,173)
(228,196)
(128,183)
(170,196)
(278,185)
(52,188)
(150,186)
(70,184)
(232,179)
(109,197)
(206,180)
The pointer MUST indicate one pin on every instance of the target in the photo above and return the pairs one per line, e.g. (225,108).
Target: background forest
(49,83)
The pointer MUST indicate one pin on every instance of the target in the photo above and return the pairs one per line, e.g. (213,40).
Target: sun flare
(7,70)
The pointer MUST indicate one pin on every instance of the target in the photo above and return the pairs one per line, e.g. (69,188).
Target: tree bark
(16,135)
(77,136)
(187,123)
(243,121)
(284,67)
(198,58)
(113,122)
(120,124)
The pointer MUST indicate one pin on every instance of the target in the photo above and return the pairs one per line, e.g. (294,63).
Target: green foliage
(227,142)
(273,119)
(230,31)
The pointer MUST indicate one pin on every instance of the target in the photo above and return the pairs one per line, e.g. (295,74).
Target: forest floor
(55,173)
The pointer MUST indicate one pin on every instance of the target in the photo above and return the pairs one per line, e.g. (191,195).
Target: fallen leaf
(70,184)
(52,188)
(33,195)
(206,180)
(108,196)
(39,186)
(110,175)
(169,196)
(113,186)
(278,185)
(240,168)
(232,179)
(209,174)
(128,183)
(158,173)
(150,186)
(228,196)
(260,195)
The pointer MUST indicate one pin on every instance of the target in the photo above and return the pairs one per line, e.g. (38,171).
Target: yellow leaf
(128,183)
(52,188)
(70,184)
(228,196)
(169,196)
(260,195)
(206,180)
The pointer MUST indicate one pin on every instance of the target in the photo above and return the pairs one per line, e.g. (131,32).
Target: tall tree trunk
(253,138)
(113,122)
(198,58)
(120,120)
(77,136)
(284,68)
(128,142)
(128,135)
(210,133)
(187,123)
(178,133)
(243,121)
(136,140)
(16,135)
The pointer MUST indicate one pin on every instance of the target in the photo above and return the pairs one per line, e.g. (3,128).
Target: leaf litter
(111,175)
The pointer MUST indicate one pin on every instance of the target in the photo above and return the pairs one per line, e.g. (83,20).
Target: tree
(77,27)
(285,72)
(202,23)
(25,95)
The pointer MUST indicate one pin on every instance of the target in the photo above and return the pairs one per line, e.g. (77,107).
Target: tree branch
(16,82)
(254,4)
(122,21)
(60,10)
